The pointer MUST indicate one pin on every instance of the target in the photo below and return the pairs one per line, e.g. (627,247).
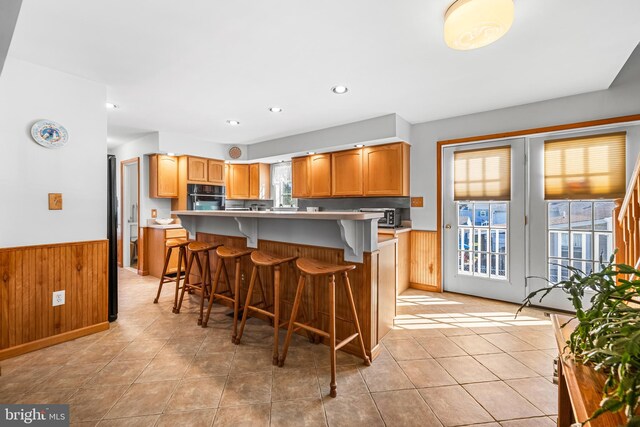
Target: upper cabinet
(163,176)
(259,181)
(215,172)
(346,173)
(238,182)
(320,175)
(197,169)
(386,170)
(377,171)
(300,178)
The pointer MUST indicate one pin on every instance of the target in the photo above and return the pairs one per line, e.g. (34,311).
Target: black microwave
(391,218)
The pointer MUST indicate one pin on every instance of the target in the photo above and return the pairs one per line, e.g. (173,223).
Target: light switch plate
(55,201)
(154,213)
(58,298)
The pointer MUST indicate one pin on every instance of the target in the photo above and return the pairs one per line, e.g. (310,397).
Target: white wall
(29,93)
(621,99)
(186,144)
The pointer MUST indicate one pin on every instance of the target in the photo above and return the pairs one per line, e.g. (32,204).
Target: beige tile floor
(452,360)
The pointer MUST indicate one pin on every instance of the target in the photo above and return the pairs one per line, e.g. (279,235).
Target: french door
(484,240)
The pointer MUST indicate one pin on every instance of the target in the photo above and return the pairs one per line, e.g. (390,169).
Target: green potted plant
(607,335)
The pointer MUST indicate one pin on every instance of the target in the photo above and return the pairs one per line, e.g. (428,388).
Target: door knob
(448,226)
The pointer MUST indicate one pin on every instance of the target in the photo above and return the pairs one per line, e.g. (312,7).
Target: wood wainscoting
(364,284)
(29,275)
(425,261)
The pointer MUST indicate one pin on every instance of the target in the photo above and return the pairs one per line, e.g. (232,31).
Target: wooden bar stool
(181,245)
(203,287)
(226,252)
(263,259)
(311,267)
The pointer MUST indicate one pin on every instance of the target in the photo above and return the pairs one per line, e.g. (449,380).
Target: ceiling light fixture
(111,106)
(275,109)
(233,122)
(471,24)
(359,145)
(339,89)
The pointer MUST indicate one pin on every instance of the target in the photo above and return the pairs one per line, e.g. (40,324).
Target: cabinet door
(215,173)
(167,176)
(197,169)
(346,173)
(385,170)
(238,181)
(300,185)
(254,181)
(320,166)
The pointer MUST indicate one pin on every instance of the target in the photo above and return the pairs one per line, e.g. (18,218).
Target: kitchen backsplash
(354,203)
(262,204)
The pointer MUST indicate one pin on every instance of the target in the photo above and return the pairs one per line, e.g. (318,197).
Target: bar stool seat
(204,286)
(265,259)
(170,245)
(311,267)
(228,252)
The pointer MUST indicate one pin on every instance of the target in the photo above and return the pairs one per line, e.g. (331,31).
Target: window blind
(483,174)
(585,168)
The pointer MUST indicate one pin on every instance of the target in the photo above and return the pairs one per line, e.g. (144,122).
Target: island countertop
(326,215)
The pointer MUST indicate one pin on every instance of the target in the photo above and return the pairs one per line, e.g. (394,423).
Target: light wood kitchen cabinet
(259,181)
(163,176)
(386,170)
(238,182)
(346,173)
(157,249)
(320,172)
(215,172)
(300,178)
(197,170)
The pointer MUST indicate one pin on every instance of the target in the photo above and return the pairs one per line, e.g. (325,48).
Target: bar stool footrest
(346,341)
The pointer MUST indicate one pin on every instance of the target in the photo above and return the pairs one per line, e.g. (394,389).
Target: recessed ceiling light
(233,122)
(111,106)
(470,24)
(275,109)
(339,89)
(311,152)
(359,145)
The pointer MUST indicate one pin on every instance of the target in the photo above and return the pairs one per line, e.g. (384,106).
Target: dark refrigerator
(112,235)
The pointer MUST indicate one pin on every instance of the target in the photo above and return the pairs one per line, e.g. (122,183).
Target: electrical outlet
(154,213)
(58,298)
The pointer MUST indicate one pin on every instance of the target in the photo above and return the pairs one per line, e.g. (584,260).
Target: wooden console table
(579,386)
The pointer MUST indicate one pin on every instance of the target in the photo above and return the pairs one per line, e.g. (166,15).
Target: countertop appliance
(205,197)
(391,218)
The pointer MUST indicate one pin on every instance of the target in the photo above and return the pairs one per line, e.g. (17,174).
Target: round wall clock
(49,134)
(235,152)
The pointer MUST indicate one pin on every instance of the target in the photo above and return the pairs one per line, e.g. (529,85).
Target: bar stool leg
(292,319)
(202,279)
(352,305)
(276,313)
(214,288)
(181,255)
(186,281)
(164,273)
(332,332)
(206,279)
(245,313)
(236,301)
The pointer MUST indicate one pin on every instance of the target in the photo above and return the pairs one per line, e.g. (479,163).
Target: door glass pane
(603,247)
(581,216)
(584,266)
(559,216)
(581,245)
(498,265)
(499,241)
(498,215)
(481,217)
(464,239)
(481,264)
(464,262)
(465,214)
(603,216)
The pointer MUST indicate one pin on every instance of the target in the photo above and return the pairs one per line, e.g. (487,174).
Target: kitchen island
(335,237)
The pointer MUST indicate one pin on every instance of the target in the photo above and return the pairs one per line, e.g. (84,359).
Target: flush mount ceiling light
(339,89)
(233,122)
(275,109)
(111,106)
(471,24)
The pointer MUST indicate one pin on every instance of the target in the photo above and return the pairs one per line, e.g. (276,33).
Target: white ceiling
(187,66)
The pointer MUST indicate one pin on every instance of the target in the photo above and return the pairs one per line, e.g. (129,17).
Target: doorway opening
(129,218)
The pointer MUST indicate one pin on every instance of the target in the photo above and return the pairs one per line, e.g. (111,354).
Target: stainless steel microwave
(391,218)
